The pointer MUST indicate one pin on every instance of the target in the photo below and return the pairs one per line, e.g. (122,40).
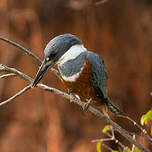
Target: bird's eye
(50,57)
(47,59)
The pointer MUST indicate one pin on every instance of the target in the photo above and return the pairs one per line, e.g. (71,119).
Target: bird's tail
(114,109)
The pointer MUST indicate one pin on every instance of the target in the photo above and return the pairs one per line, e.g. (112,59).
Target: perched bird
(83,72)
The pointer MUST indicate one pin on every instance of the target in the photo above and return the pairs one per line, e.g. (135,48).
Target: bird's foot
(86,105)
(69,91)
(72,96)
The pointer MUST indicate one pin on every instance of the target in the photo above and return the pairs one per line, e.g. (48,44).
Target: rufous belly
(83,85)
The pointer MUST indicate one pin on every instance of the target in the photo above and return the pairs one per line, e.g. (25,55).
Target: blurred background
(120,31)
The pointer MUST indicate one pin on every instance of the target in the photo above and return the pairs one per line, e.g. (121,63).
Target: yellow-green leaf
(115,151)
(136,149)
(106,128)
(146,118)
(126,149)
(142,120)
(99,146)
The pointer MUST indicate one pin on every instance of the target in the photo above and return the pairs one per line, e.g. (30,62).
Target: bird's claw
(86,105)
(72,96)
(70,92)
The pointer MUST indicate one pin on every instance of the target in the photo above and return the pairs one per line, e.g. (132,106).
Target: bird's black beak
(45,66)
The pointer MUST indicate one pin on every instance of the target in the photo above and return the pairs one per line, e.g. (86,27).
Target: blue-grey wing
(99,76)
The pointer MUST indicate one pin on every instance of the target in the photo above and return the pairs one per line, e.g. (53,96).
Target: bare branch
(16,95)
(116,127)
(4,68)
(116,140)
(107,147)
(93,110)
(28,52)
(133,146)
(103,139)
(140,128)
(7,75)
(111,138)
(100,2)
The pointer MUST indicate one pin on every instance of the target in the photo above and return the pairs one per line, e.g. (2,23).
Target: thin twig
(133,146)
(116,140)
(102,139)
(100,2)
(28,52)
(93,110)
(107,147)
(140,128)
(4,68)
(7,75)
(112,138)
(16,95)
(118,128)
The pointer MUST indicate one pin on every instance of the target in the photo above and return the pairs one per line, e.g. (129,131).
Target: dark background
(120,31)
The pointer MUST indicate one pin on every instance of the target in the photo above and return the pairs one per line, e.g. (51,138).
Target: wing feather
(99,76)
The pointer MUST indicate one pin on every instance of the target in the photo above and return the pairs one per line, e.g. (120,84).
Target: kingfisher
(83,72)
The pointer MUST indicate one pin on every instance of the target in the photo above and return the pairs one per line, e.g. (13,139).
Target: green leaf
(146,118)
(126,150)
(115,151)
(136,149)
(99,146)
(106,128)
